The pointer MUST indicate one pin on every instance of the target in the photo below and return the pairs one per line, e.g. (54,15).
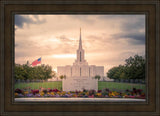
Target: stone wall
(79,83)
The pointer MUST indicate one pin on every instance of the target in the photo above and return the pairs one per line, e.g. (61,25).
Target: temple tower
(80,75)
(80,53)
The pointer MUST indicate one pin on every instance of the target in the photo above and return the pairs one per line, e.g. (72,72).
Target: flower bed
(105,93)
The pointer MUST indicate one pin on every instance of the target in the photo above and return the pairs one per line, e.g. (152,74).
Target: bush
(18,91)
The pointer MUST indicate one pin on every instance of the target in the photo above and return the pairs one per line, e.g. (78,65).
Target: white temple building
(80,75)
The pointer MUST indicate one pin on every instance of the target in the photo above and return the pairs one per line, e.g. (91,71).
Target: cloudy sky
(107,39)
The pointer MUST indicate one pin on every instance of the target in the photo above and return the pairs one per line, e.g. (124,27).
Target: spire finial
(80,41)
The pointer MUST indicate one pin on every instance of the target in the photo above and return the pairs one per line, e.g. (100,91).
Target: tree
(62,77)
(25,72)
(134,68)
(97,77)
(46,72)
(19,72)
(122,72)
(111,72)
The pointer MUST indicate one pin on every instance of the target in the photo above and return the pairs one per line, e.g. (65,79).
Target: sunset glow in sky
(107,39)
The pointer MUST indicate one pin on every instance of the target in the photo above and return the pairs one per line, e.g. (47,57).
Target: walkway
(78,100)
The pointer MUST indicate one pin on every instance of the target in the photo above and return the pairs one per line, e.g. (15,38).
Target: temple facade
(80,75)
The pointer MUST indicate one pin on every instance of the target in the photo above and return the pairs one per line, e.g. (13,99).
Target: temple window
(80,56)
(89,71)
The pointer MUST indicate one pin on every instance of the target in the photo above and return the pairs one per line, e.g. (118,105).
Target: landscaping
(101,85)
(105,90)
(104,93)
(129,82)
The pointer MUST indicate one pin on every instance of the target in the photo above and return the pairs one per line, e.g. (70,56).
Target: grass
(101,85)
(37,85)
(120,86)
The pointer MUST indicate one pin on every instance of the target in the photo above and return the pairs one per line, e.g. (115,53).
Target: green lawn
(120,86)
(101,85)
(37,85)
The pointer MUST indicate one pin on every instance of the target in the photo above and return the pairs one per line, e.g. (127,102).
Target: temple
(80,75)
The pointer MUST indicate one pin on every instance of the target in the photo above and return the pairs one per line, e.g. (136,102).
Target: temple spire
(80,41)
(80,52)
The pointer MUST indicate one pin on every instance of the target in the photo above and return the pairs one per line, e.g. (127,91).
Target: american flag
(38,61)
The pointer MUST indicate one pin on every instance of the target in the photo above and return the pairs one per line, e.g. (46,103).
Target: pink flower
(92,96)
(131,96)
(35,91)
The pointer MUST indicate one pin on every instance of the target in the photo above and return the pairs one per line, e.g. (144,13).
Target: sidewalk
(78,100)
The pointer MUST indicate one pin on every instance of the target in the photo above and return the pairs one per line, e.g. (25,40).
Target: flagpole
(41,60)
(40,79)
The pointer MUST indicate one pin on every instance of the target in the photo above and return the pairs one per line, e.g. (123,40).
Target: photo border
(9,8)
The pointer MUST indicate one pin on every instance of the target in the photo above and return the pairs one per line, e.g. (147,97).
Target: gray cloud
(83,18)
(33,51)
(105,17)
(93,37)
(133,38)
(134,24)
(20,20)
(127,54)
(133,30)
(64,38)
(31,48)
(123,17)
